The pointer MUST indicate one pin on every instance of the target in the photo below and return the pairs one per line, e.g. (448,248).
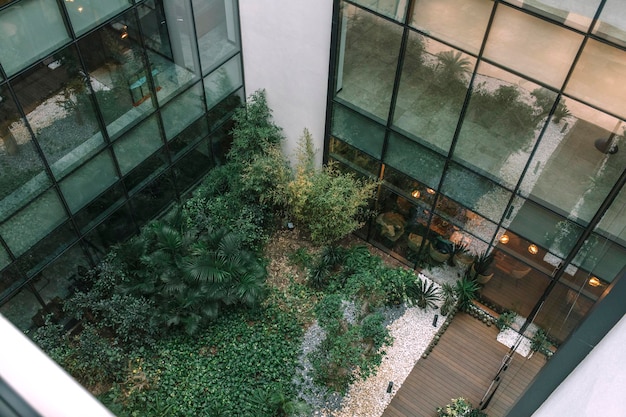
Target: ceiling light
(416,193)
(533,249)
(430,191)
(504,239)
(594,282)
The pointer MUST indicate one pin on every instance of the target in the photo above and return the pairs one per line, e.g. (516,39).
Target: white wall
(286,49)
(40,381)
(598,384)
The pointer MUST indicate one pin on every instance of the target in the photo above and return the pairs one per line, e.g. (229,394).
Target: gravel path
(412,330)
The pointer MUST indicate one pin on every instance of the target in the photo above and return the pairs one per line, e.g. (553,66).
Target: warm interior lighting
(124,34)
(430,191)
(594,282)
(504,239)
(416,193)
(533,249)
(80,9)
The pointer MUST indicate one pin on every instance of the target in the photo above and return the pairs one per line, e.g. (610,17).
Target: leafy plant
(505,320)
(449,298)
(458,248)
(482,263)
(459,407)
(424,294)
(328,203)
(466,290)
(539,341)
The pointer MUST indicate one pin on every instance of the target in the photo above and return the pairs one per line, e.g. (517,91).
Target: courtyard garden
(251,298)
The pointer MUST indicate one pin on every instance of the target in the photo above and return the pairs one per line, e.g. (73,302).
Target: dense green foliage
(222,372)
(459,407)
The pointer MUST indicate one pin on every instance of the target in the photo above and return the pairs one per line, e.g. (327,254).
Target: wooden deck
(463,364)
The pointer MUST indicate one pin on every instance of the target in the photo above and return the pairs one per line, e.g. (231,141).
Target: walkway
(463,365)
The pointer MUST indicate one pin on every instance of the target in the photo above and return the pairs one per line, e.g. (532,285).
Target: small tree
(328,203)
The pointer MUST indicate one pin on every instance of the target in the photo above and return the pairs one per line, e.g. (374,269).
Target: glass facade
(495,123)
(109,112)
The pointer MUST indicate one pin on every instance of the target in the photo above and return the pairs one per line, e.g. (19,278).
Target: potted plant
(461,257)
(440,249)
(480,268)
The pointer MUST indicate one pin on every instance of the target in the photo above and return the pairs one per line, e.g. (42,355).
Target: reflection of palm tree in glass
(452,66)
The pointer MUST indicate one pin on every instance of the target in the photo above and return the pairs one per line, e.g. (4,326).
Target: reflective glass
(32,223)
(612,22)
(459,22)
(223,81)
(145,172)
(613,223)
(99,208)
(115,229)
(452,217)
(349,155)
(121,82)
(224,109)
(59,109)
(503,119)
(79,188)
(542,227)
(216,29)
(4,260)
(515,284)
(9,279)
(22,175)
(574,166)
(85,14)
(29,30)
(415,160)
(395,9)
(532,46)
(602,257)
(358,131)
(153,198)
(46,249)
(191,167)
(188,137)
(475,192)
(574,13)
(182,111)
(221,142)
(432,89)
(599,77)
(21,309)
(417,192)
(368,54)
(169,36)
(137,145)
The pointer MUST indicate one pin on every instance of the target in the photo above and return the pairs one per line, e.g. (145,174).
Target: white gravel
(412,332)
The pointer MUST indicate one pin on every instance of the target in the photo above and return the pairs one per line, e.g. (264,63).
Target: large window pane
(118,227)
(217,31)
(169,36)
(395,9)
(182,111)
(32,223)
(137,145)
(80,188)
(29,30)
(504,117)
(188,137)
(99,208)
(355,159)
(153,198)
(599,77)
(603,257)
(459,22)
(367,60)
(611,25)
(85,14)
(573,13)
(532,46)
(574,169)
(433,86)
(358,131)
(22,175)
(223,81)
(475,192)
(120,79)
(415,160)
(613,222)
(191,167)
(60,111)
